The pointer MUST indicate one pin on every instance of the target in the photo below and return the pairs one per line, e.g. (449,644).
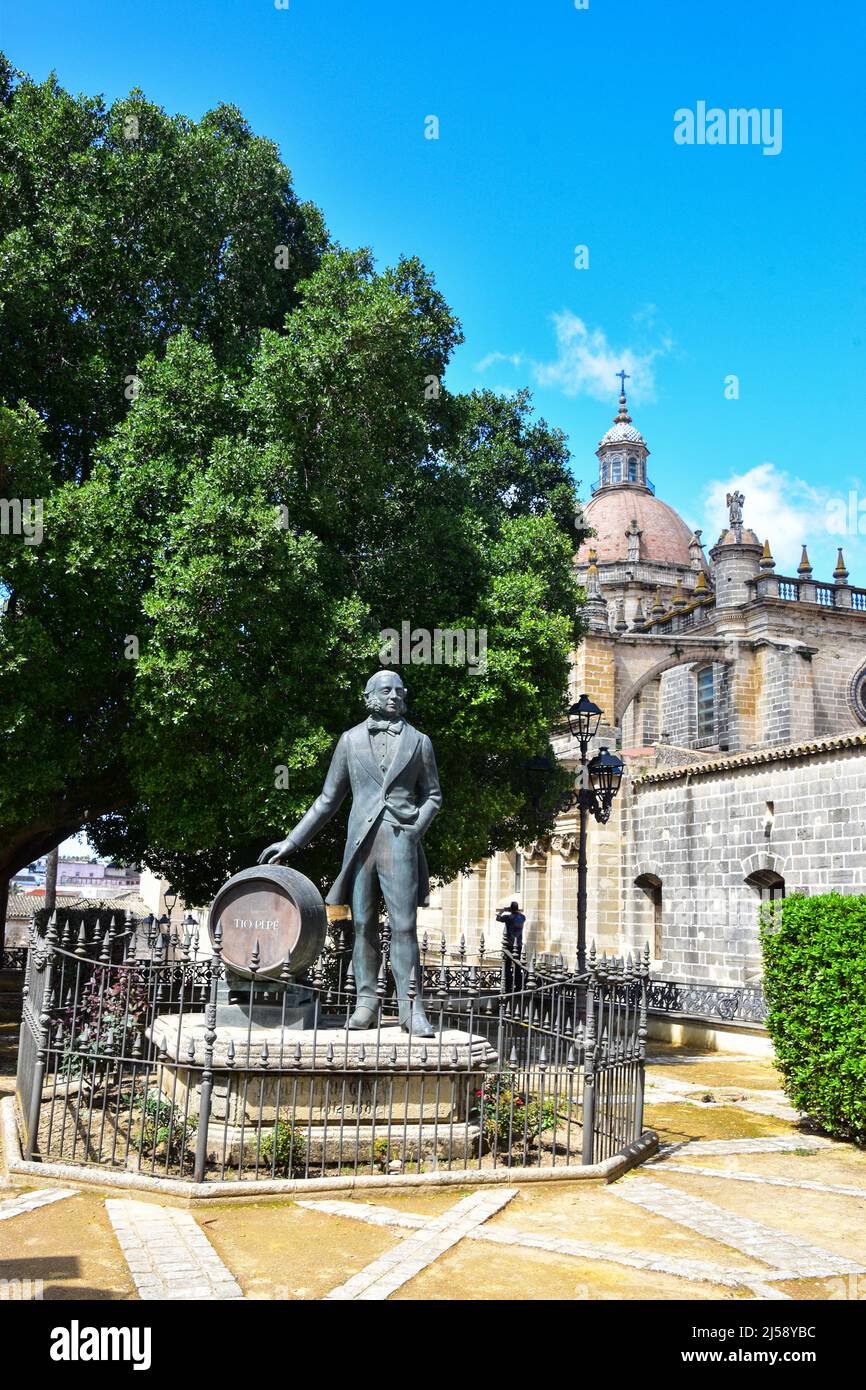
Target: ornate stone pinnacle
(593,587)
(767,561)
(804,567)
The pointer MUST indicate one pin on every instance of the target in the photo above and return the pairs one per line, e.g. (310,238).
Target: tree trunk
(51,881)
(4,903)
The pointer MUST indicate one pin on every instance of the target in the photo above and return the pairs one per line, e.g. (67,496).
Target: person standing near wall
(513,921)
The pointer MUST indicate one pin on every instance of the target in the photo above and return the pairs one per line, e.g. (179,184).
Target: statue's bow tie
(385,726)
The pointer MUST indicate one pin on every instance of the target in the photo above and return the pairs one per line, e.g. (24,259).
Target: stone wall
(704,833)
(678,707)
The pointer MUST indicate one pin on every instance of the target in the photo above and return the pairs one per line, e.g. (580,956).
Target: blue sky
(556,129)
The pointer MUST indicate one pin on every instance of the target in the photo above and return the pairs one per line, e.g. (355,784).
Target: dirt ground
(805,1194)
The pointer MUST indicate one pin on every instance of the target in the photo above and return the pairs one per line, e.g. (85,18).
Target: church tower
(622,452)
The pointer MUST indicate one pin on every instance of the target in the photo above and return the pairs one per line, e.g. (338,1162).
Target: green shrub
(508,1114)
(815,982)
(165,1131)
(289,1148)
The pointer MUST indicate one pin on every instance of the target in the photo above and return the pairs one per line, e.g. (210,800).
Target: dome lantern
(622,451)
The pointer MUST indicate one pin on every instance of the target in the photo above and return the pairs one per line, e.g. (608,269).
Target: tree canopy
(222,548)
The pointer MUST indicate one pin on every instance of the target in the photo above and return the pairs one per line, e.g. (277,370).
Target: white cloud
(494,358)
(586,363)
(646,315)
(790,513)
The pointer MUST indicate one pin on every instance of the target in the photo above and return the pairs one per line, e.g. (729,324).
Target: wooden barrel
(275,907)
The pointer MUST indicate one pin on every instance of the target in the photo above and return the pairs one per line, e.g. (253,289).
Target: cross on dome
(629,466)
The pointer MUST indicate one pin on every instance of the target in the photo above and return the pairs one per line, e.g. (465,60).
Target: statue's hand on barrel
(276,853)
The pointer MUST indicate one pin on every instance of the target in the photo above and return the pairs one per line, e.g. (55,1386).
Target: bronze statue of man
(391,772)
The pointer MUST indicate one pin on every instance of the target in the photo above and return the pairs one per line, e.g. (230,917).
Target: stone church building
(737,698)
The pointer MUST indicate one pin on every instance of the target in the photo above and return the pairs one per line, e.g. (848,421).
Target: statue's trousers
(388,858)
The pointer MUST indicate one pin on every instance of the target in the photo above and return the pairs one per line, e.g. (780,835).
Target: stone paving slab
(369,1212)
(168,1255)
(31,1201)
(700,1271)
(396,1267)
(804,1184)
(706,1148)
(693,1059)
(777,1250)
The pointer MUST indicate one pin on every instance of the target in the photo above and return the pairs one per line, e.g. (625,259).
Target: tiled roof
(622,434)
(778,753)
(22,906)
(665,539)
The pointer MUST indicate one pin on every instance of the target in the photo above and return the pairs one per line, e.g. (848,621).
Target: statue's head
(385,693)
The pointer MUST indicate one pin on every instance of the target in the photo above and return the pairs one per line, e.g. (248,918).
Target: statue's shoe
(364,1017)
(421,1026)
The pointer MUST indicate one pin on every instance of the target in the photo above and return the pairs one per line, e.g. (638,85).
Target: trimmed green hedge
(815,983)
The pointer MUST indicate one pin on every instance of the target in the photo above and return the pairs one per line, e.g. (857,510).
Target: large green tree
(220,553)
(119,226)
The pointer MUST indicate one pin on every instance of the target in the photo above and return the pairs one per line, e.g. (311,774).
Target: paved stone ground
(168,1254)
(29,1201)
(392,1270)
(741,1203)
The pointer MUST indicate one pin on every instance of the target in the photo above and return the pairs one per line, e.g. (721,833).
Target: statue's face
(387,695)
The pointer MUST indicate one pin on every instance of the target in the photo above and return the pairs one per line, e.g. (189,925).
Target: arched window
(651,886)
(769,885)
(770,888)
(859,692)
(617,470)
(632,470)
(706,703)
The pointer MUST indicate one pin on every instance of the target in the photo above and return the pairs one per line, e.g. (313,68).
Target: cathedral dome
(630,522)
(622,433)
(665,537)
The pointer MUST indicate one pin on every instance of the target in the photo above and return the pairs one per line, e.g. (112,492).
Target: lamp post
(170,898)
(596,787)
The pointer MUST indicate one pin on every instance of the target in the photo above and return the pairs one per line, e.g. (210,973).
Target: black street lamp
(170,898)
(597,785)
(583,719)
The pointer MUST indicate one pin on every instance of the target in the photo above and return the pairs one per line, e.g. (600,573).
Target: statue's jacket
(409,795)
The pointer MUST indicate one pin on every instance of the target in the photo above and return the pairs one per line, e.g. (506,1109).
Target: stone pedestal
(283,1006)
(342,1091)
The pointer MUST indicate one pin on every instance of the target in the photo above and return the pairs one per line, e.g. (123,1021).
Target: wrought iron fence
(14,958)
(146,1061)
(731,1003)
